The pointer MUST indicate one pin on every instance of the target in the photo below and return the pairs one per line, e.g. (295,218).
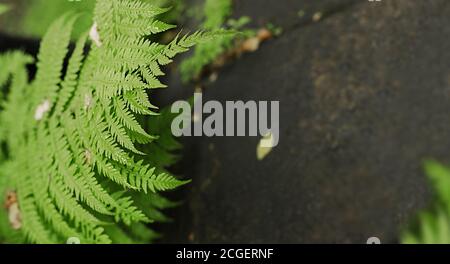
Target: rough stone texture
(365,97)
(287,13)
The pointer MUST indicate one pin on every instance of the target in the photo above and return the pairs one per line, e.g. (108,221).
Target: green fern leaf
(71,132)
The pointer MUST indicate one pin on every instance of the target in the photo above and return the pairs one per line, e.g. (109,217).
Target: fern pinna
(70,136)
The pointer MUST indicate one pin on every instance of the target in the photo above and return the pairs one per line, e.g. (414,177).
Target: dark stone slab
(287,13)
(364,96)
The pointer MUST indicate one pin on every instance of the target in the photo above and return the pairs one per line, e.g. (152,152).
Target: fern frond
(137,101)
(216,13)
(433,226)
(69,84)
(53,50)
(164,182)
(13,65)
(71,132)
(32,225)
(103,142)
(127,119)
(120,134)
(127,212)
(108,170)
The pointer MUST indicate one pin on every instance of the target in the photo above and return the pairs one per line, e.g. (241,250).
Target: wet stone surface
(364,99)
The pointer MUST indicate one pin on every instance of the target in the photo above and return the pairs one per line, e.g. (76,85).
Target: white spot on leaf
(41,110)
(12,206)
(95,37)
(87,101)
(14,216)
(88,156)
(73,240)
